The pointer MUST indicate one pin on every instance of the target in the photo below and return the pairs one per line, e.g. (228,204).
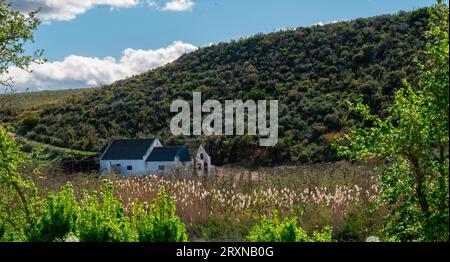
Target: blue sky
(83,32)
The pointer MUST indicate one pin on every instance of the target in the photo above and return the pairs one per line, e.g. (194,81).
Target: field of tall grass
(224,207)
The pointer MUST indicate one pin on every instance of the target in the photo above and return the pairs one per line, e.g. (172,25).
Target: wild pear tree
(414,139)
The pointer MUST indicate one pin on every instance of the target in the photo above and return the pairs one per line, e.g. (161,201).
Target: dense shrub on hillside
(15,105)
(311,71)
(28,123)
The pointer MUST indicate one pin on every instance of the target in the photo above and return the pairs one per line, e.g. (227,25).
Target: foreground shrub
(58,217)
(358,224)
(221,229)
(274,230)
(161,224)
(102,218)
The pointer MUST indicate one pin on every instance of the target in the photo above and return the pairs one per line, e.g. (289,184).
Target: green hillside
(311,71)
(14,106)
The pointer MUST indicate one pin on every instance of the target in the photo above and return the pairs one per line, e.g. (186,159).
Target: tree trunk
(22,199)
(420,179)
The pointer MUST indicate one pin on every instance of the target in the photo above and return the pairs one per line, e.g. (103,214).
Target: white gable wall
(138,165)
(203,161)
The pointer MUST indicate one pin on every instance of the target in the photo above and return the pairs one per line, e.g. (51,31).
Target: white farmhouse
(145,156)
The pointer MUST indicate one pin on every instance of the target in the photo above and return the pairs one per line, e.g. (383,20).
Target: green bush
(221,229)
(274,230)
(102,218)
(358,224)
(161,224)
(58,218)
(28,123)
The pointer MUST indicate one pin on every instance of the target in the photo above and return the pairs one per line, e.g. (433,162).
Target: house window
(129,167)
(161,168)
(201,156)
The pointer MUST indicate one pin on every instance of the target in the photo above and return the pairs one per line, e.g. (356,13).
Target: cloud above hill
(65,10)
(77,71)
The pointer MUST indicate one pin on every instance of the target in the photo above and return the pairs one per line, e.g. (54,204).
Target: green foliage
(310,71)
(17,193)
(16,29)
(358,224)
(28,123)
(102,218)
(255,94)
(221,229)
(161,224)
(48,152)
(414,139)
(58,218)
(16,105)
(274,230)
(107,221)
(11,158)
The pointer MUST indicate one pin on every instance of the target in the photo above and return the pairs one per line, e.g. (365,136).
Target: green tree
(16,29)
(17,193)
(414,139)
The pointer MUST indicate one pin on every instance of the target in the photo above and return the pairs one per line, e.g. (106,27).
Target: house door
(116,169)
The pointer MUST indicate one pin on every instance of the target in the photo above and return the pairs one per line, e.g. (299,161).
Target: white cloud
(171,5)
(178,5)
(65,10)
(80,71)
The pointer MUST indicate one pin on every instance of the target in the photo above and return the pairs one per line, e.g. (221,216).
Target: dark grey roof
(127,149)
(168,153)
